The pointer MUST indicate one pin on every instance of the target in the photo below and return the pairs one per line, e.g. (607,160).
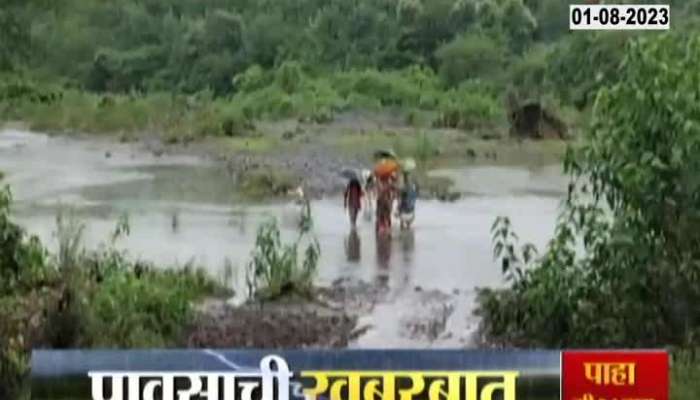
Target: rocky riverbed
(346,314)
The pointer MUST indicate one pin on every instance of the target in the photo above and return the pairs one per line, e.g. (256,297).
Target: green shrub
(254,78)
(621,269)
(23,261)
(139,306)
(528,73)
(685,375)
(289,76)
(233,122)
(465,110)
(473,56)
(276,269)
(390,88)
(286,92)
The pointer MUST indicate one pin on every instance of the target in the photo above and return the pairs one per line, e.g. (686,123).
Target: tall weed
(277,269)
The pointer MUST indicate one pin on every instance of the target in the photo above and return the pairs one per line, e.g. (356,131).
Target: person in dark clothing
(407,202)
(353,200)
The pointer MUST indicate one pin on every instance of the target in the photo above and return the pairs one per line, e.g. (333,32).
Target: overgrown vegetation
(287,92)
(79,298)
(189,68)
(622,269)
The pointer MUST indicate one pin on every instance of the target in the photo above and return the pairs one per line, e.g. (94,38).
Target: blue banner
(535,374)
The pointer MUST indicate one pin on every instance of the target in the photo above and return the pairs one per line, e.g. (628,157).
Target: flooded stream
(185,209)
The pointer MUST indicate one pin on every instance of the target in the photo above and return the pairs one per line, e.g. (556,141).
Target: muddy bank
(285,154)
(349,313)
(274,325)
(318,171)
(329,320)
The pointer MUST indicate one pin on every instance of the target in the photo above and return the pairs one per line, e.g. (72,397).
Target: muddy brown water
(185,209)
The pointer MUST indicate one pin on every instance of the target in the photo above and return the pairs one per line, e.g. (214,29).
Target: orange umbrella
(385,168)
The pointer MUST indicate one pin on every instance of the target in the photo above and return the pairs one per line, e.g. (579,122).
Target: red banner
(615,375)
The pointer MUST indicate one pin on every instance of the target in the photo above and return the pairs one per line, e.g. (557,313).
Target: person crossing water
(407,202)
(385,172)
(370,193)
(353,200)
(386,194)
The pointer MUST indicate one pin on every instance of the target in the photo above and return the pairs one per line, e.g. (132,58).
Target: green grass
(285,93)
(685,377)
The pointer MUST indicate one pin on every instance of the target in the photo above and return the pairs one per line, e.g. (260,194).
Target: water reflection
(383,251)
(407,240)
(353,246)
(175,221)
(407,243)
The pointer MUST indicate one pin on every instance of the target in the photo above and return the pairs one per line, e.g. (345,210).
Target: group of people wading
(389,184)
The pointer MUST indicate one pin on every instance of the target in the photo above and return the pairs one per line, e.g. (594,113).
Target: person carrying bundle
(386,173)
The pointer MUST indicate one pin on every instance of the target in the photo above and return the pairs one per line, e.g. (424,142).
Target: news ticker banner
(350,375)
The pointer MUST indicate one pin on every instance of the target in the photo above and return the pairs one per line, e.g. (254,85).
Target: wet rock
(288,135)
(449,196)
(125,137)
(490,136)
(273,325)
(428,323)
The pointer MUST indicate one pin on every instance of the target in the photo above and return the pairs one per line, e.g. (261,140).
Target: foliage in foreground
(685,376)
(83,299)
(276,268)
(623,268)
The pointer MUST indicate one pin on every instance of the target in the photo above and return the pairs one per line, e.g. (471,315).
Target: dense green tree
(14,33)
(633,207)
(427,25)
(552,19)
(346,33)
(193,45)
(584,62)
(528,74)
(518,24)
(473,56)
(268,39)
